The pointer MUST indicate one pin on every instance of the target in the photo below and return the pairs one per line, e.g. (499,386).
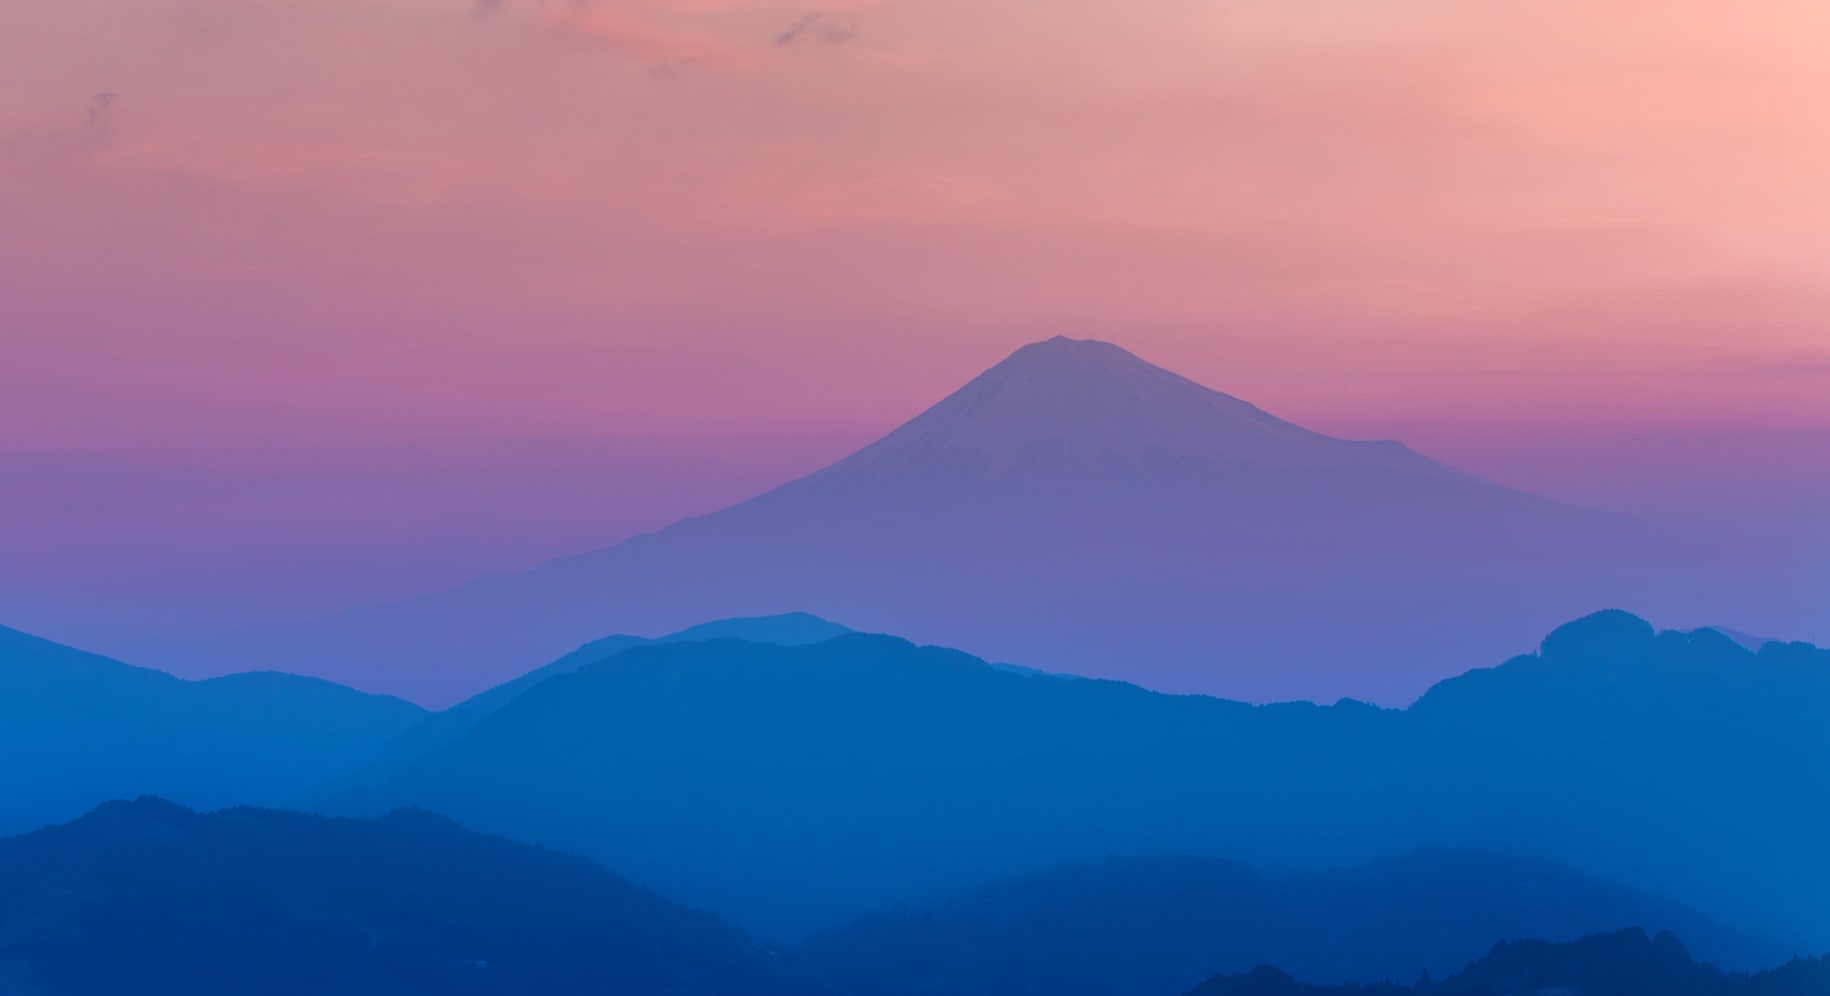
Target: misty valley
(782,805)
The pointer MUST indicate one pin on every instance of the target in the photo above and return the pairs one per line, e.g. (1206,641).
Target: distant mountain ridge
(151,899)
(1748,640)
(867,771)
(77,728)
(1077,509)
(1621,963)
(789,629)
(1141,927)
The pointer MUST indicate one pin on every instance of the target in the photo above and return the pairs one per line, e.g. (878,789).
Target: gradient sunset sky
(360,297)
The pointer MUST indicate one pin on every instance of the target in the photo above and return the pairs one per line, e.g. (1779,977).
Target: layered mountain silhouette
(1078,509)
(794,787)
(77,729)
(790,629)
(148,897)
(1622,963)
(152,899)
(1145,927)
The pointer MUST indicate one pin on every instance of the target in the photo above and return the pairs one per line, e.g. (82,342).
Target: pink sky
(300,232)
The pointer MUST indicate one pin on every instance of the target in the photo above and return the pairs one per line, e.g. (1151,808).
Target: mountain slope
(150,898)
(1622,963)
(1143,927)
(448,725)
(794,787)
(1078,509)
(77,729)
(1093,399)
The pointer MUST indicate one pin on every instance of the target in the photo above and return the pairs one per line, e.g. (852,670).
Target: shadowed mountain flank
(1623,963)
(1142,927)
(150,898)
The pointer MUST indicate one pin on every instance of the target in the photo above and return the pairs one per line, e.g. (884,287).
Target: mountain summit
(1066,398)
(1072,508)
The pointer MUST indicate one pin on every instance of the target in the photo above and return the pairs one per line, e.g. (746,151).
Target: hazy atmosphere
(313,304)
(891,498)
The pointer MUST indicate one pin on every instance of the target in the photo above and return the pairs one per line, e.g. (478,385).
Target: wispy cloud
(795,30)
(816,26)
(99,106)
(639,35)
